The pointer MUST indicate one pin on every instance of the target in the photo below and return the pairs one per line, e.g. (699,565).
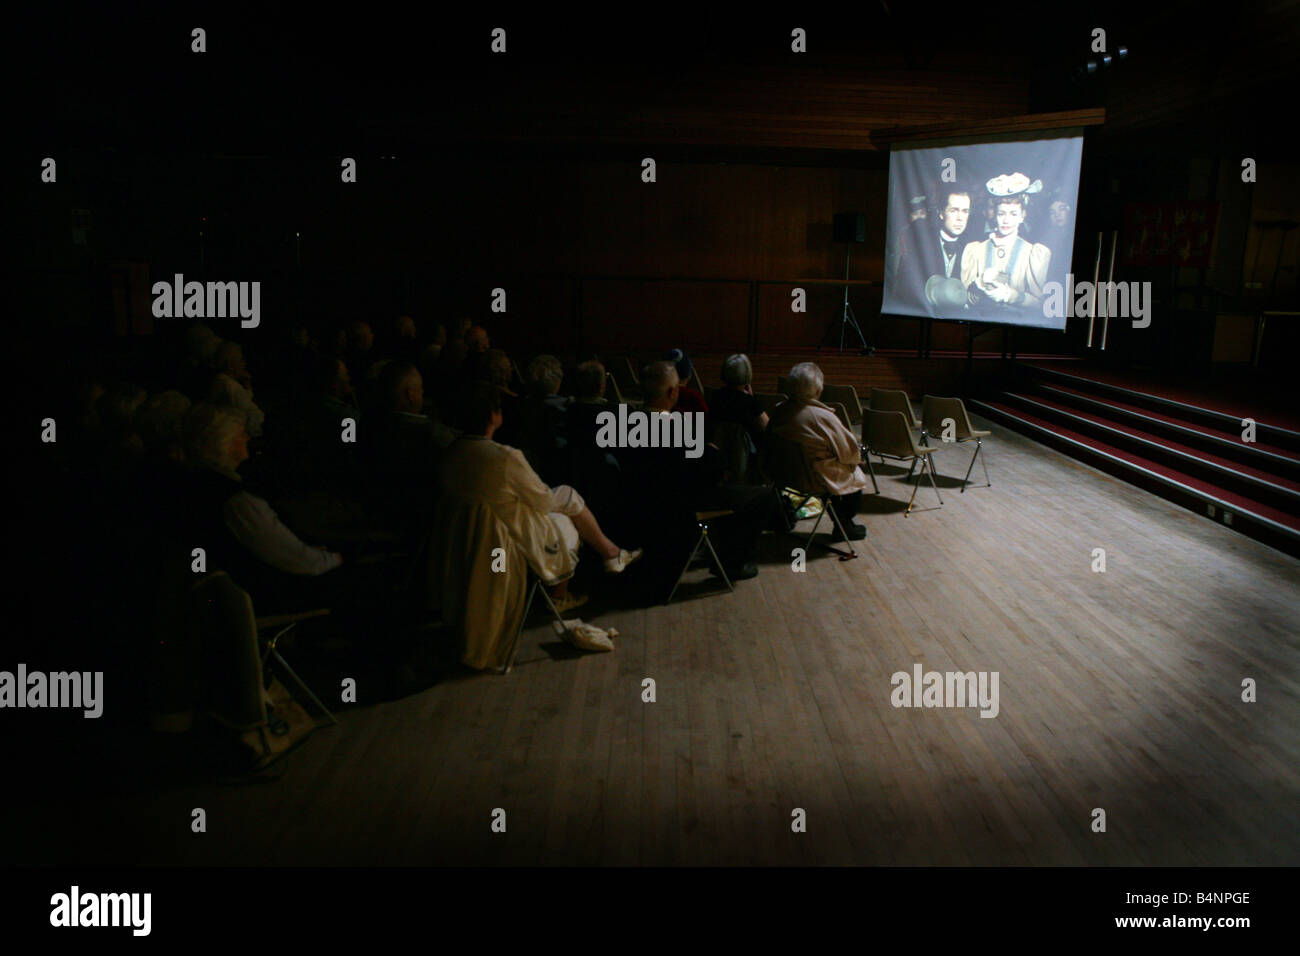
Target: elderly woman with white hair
(832,451)
(238,530)
(233,386)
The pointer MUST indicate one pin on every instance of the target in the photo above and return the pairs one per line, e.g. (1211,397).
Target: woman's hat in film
(1013,185)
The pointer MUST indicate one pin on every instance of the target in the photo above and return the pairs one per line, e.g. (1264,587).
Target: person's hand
(1000,292)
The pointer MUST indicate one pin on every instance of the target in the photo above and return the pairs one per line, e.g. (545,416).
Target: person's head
(476,339)
(589,381)
(331,376)
(954,212)
(229,358)
(806,383)
(660,385)
(499,369)
(545,374)
(480,411)
(462,327)
(737,372)
(300,337)
(360,336)
(1008,214)
(160,422)
(439,335)
(216,437)
(681,362)
(1060,212)
(404,327)
(402,386)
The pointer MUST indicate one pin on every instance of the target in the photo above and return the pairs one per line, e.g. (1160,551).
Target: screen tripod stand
(846,320)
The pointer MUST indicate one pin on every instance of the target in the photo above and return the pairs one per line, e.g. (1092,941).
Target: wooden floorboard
(1118,691)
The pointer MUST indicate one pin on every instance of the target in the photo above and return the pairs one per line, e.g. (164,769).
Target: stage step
(1250,504)
(1270,435)
(1252,482)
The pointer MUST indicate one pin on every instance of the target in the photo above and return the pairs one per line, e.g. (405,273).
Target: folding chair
(286,623)
(702,519)
(769,400)
(888,435)
(219,588)
(535,586)
(847,396)
(784,460)
(935,412)
(896,400)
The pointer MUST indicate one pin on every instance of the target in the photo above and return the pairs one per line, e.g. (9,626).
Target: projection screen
(983,231)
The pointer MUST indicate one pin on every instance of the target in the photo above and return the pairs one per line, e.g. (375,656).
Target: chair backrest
(783,384)
(841,413)
(694,380)
(847,396)
(485,604)
(894,400)
(229,653)
(768,401)
(933,412)
(625,372)
(786,463)
(736,446)
(612,391)
(887,433)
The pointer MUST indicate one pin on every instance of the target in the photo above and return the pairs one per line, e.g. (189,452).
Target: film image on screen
(979,232)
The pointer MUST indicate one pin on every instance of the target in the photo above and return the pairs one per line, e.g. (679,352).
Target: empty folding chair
(888,435)
(943,416)
(895,400)
(847,396)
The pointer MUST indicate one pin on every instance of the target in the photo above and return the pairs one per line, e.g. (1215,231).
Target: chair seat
(979,433)
(710,515)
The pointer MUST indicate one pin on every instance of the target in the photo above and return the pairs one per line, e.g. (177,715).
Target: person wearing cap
(1005,271)
(688,398)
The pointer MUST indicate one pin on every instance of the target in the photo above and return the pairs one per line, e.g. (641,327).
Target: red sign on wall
(1169,233)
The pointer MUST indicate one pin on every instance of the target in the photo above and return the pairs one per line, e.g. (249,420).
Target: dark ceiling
(333,80)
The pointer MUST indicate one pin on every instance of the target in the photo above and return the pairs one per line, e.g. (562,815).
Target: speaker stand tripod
(846,320)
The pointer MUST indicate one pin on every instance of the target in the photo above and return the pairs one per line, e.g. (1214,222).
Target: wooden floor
(1118,690)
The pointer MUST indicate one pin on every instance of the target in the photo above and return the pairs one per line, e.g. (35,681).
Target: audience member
(688,399)
(665,487)
(233,385)
(832,451)
(735,402)
(238,530)
(547,523)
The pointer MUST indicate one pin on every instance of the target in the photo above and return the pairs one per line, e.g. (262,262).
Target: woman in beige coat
(831,450)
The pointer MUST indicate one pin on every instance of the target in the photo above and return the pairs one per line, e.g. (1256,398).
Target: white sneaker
(625,558)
